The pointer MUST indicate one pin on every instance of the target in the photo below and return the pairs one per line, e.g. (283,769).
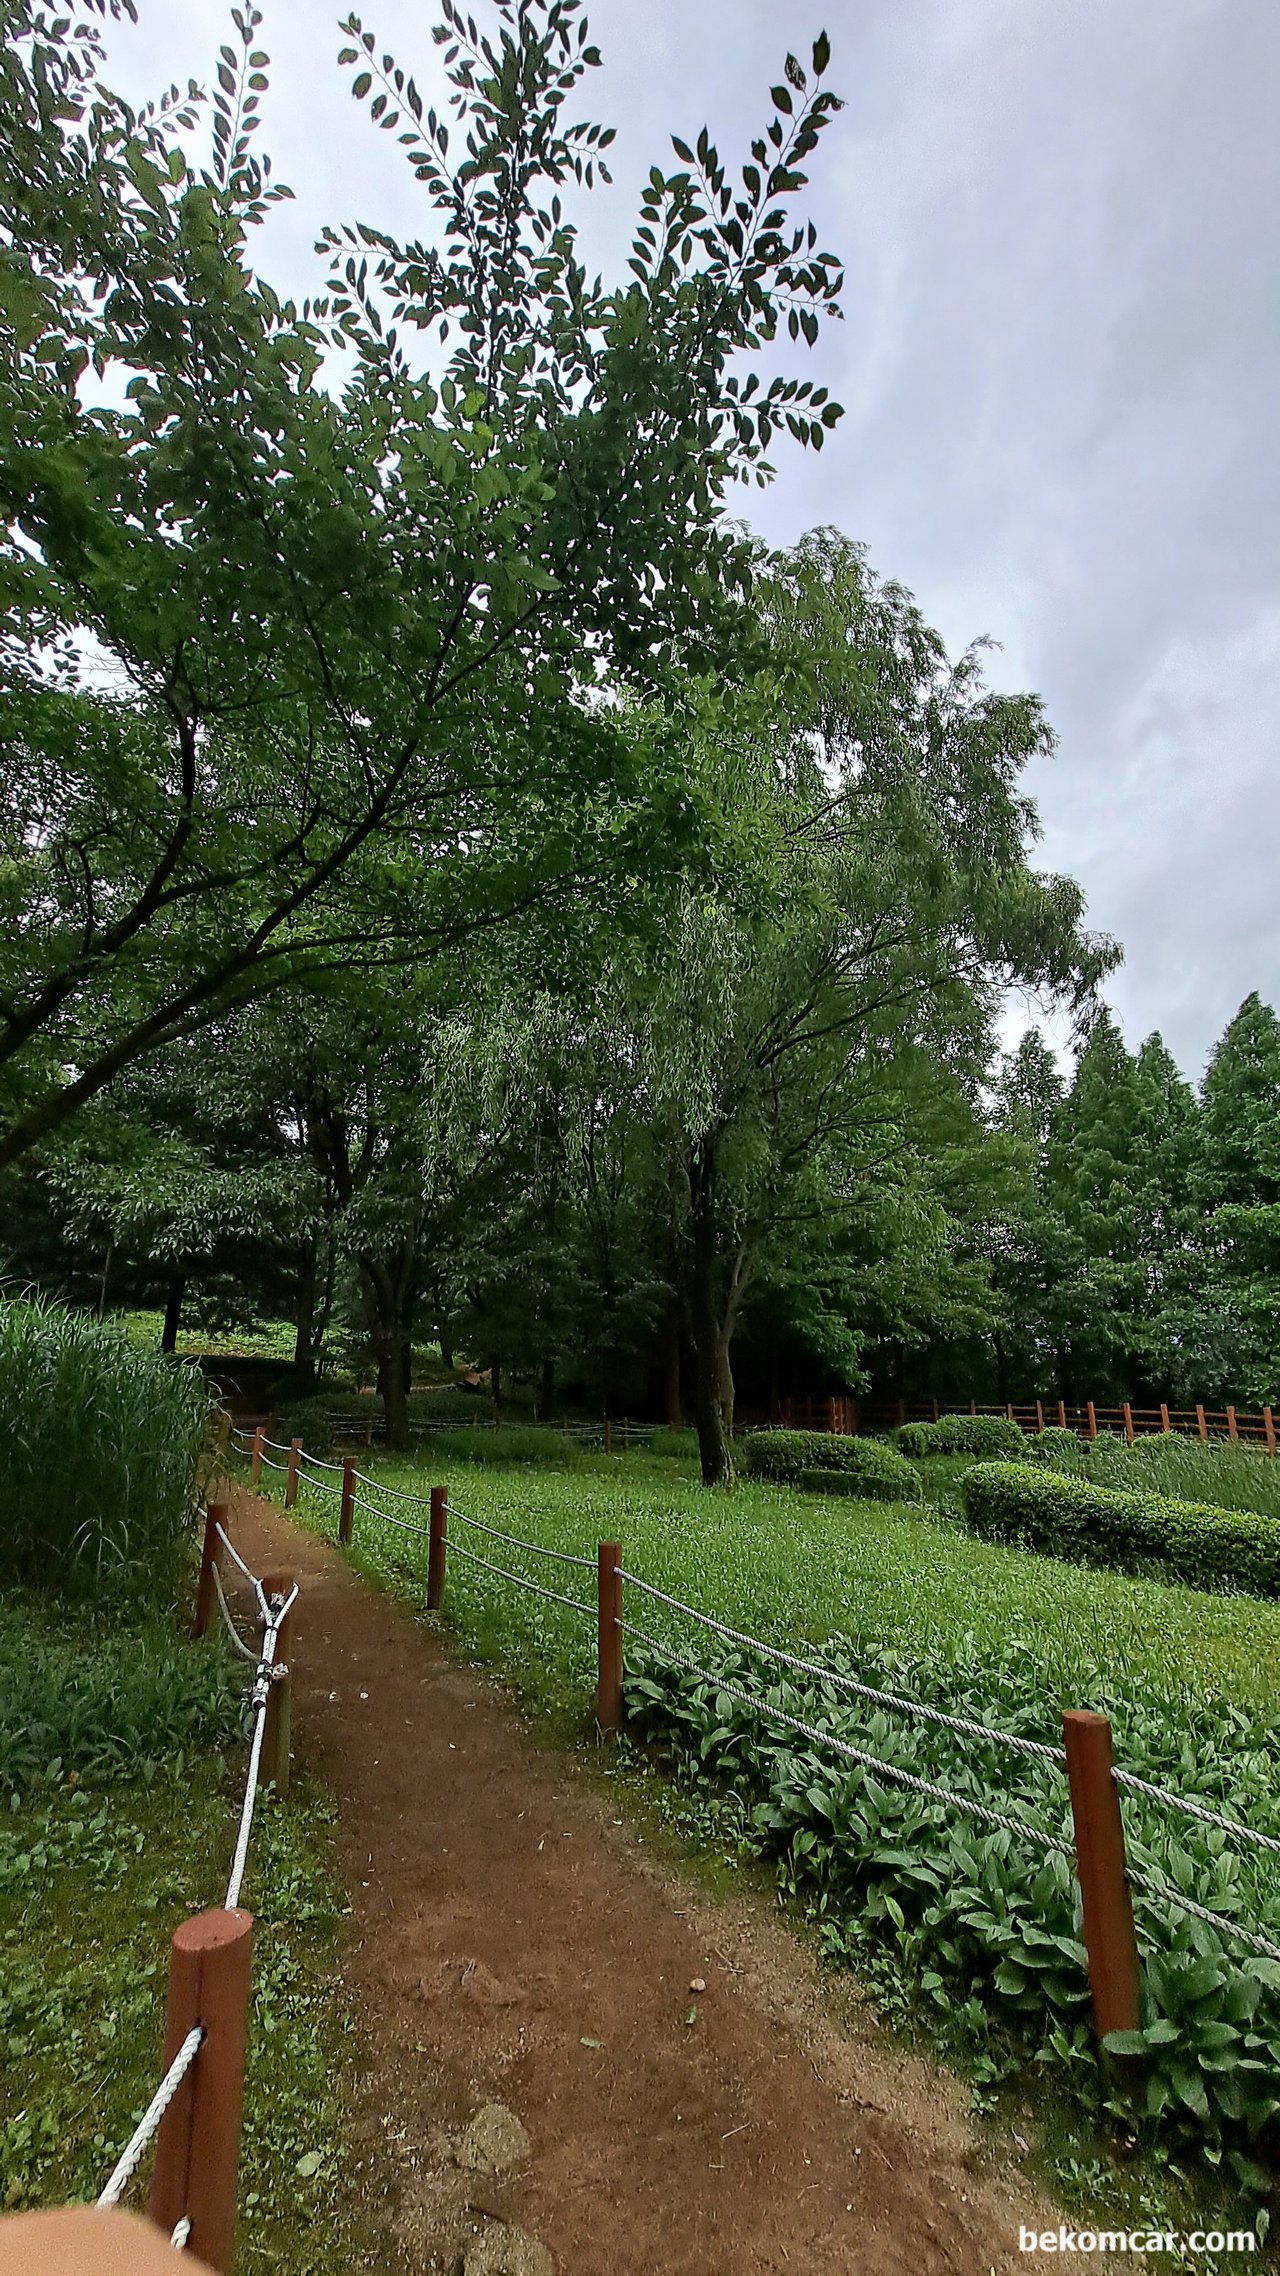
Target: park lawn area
(97,1867)
(791,1567)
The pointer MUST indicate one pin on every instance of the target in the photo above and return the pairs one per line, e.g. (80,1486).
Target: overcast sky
(1060,362)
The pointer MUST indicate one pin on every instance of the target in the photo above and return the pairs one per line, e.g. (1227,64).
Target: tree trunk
(712,1375)
(671,1360)
(304,1342)
(173,1312)
(389,1330)
(446,1345)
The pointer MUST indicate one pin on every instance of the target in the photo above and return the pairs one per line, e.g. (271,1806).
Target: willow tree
(883,902)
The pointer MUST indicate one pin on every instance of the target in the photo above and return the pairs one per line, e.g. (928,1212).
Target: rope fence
(193,2118)
(1095,1783)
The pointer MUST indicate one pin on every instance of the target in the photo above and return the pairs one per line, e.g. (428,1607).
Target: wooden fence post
(1201,1425)
(1104,1889)
(198,2143)
(973,1406)
(626,1433)
(1164,1416)
(255,1459)
(1127,1411)
(1093,1420)
(608,1435)
(1231,1422)
(1268,1430)
(1009,1409)
(1062,1414)
(215,1515)
(609,1636)
(274,1762)
(934,1404)
(346,1512)
(436,1547)
(291,1480)
(1039,1416)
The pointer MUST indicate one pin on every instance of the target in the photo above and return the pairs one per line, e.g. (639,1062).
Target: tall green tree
(298,662)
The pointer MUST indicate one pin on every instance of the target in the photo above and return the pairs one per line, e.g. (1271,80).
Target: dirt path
(512,1945)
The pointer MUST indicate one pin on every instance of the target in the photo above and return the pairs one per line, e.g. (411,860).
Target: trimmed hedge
(864,1485)
(1060,1516)
(987,1436)
(796,1457)
(1059,1448)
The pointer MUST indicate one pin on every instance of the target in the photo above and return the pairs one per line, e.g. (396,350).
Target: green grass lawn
(789,1567)
(98,1865)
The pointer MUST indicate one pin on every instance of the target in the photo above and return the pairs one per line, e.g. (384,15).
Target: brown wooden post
(1268,1430)
(1127,1411)
(608,1435)
(609,1636)
(1231,1422)
(439,1523)
(198,2143)
(1104,1889)
(291,1479)
(934,1404)
(255,1459)
(973,1406)
(1093,1420)
(1039,1416)
(215,1515)
(626,1433)
(346,1511)
(1009,1410)
(1201,1425)
(1164,1416)
(274,1763)
(1062,1414)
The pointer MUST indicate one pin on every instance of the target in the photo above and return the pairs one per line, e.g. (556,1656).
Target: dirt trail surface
(523,1972)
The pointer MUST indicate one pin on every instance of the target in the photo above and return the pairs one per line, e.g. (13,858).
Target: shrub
(791,1457)
(873,1483)
(101,1448)
(1059,1448)
(1193,1542)
(986,1436)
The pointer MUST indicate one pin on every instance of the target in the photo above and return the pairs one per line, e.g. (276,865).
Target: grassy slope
(788,1566)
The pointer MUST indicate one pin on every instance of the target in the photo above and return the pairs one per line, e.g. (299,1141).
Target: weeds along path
(511,1945)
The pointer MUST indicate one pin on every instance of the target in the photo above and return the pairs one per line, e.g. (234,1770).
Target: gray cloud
(1060,362)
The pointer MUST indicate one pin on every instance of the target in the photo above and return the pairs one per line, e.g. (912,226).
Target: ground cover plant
(984,1936)
(827,1461)
(122,1786)
(101,1447)
(1064,1516)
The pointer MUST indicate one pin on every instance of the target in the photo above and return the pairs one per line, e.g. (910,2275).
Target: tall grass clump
(100,1453)
(1222,1471)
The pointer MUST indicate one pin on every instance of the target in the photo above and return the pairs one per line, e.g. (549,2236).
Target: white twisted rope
(871,1762)
(911,1707)
(1159,1887)
(552,1595)
(246,1650)
(268,1672)
(251,1577)
(384,1517)
(517,1541)
(130,2157)
(181,2232)
(1198,1810)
